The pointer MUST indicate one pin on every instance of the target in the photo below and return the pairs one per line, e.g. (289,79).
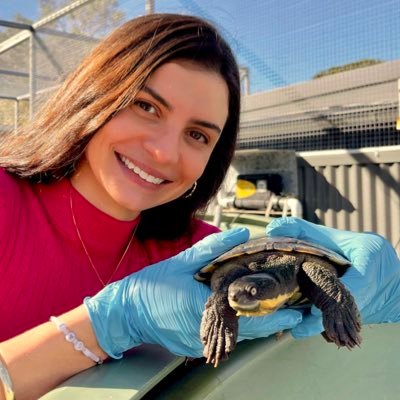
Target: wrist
(40,359)
(109,317)
(78,345)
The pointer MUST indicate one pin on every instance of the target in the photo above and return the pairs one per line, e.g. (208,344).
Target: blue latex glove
(163,304)
(373,279)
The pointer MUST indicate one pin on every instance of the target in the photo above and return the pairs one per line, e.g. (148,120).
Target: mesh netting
(315,75)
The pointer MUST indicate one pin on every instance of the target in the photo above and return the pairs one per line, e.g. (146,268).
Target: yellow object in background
(245,189)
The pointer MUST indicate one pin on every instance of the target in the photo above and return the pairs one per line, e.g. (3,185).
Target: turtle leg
(219,329)
(219,324)
(318,281)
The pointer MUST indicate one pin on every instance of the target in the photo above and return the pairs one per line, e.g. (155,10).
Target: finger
(211,247)
(385,307)
(316,311)
(310,326)
(296,227)
(254,327)
(369,272)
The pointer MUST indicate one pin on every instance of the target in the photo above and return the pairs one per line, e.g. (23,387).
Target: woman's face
(154,150)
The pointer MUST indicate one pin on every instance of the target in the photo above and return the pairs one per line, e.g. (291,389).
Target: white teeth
(145,176)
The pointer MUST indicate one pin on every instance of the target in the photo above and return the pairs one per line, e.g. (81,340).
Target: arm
(40,359)
(161,304)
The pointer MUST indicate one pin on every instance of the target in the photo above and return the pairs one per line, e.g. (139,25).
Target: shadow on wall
(357,189)
(316,193)
(382,174)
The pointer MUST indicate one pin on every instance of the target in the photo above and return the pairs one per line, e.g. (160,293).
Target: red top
(44,269)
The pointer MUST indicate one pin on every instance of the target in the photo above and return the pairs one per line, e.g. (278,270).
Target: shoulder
(158,250)
(10,199)
(198,230)
(7,181)
(201,229)
(10,188)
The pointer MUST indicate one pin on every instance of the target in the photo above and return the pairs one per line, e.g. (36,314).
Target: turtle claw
(340,315)
(218,331)
(342,325)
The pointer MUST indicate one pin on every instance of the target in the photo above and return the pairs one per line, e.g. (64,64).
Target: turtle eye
(253,291)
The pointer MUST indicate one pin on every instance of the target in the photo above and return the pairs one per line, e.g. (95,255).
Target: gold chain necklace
(86,251)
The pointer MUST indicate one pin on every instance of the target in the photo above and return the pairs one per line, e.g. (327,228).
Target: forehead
(189,65)
(184,70)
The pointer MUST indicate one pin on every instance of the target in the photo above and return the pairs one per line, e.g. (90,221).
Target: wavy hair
(107,81)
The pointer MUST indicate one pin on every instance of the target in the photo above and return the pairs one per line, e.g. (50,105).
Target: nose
(164,146)
(233,296)
(235,292)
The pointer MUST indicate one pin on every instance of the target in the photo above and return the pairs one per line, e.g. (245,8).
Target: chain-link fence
(315,75)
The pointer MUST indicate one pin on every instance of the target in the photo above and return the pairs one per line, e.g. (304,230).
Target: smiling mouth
(136,170)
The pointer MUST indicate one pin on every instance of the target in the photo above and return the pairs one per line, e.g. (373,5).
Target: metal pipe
(24,35)
(398,115)
(16,114)
(217,215)
(32,75)
(149,7)
(244,78)
(286,204)
(15,25)
(295,206)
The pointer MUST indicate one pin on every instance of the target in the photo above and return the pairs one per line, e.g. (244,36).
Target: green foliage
(346,67)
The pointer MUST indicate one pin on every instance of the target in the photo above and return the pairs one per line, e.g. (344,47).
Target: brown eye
(145,106)
(198,136)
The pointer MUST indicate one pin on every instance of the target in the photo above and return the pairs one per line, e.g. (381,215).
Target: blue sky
(8,8)
(284,41)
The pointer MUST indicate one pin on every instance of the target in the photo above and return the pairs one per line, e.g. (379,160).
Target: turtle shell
(278,243)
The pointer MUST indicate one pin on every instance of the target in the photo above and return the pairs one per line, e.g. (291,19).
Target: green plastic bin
(272,368)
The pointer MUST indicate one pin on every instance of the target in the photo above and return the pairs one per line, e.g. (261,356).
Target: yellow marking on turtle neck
(264,306)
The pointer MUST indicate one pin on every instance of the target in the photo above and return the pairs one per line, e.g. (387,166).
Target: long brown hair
(106,82)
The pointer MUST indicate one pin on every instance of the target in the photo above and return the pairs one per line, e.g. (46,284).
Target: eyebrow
(207,124)
(158,97)
(167,105)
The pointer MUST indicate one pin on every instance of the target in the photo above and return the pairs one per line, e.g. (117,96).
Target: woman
(116,165)
(105,181)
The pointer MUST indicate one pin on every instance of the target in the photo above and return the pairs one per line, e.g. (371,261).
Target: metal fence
(349,110)
(288,52)
(315,76)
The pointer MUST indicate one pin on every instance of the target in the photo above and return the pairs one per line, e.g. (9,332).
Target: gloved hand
(373,279)
(163,304)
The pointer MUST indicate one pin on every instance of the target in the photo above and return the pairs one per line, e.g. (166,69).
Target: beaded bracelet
(71,338)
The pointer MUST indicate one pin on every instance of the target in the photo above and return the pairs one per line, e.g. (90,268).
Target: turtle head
(258,294)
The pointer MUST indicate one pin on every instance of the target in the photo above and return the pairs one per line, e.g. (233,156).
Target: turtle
(264,274)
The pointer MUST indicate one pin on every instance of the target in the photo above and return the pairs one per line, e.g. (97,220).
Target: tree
(346,67)
(95,18)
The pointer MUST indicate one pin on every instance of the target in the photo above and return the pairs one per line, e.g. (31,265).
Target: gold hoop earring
(192,190)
